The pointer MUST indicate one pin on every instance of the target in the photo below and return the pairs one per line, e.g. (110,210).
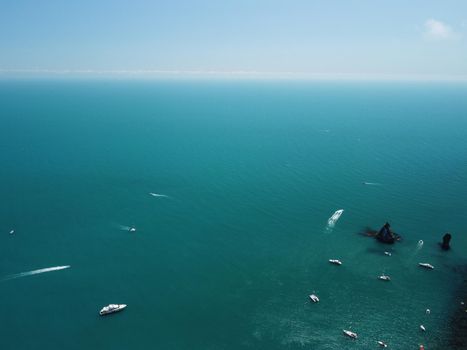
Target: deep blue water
(252,171)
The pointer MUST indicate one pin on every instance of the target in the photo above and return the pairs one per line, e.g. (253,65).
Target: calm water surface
(251,171)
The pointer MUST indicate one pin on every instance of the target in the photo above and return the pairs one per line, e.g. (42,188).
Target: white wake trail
(158,195)
(35,272)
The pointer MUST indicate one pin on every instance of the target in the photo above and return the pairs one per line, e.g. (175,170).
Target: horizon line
(240,74)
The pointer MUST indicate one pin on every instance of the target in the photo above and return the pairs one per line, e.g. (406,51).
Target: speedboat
(387,253)
(314,298)
(426,265)
(132,229)
(12,232)
(383,344)
(350,334)
(335,261)
(110,309)
(384,278)
(422,327)
(333,219)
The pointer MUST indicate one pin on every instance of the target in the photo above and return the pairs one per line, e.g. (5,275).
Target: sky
(397,38)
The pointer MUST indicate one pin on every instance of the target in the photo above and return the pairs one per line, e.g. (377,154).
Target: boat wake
(35,272)
(333,219)
(372,183)
(158,195)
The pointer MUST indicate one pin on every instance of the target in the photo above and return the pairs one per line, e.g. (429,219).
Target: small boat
(383,344)
(337,214)
(384,278)
(426,265)
(387,253)
(314,298)
(422,327)
(12,232)
(110,309)
(333,219)
(335,261)
(428,311)
(350,334)
(132,229)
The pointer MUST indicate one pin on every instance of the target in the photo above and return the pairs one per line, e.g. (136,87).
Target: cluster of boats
(315,299)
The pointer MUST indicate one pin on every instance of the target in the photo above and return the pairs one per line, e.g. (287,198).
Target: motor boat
(314,298)
(422,327)
(132,229)
(387,253)
(335,261)
(426,265)
(384,278)
(111,308)
(350,334)
(383,344)
(12,232)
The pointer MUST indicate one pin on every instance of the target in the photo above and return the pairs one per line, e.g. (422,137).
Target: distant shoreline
(149,74)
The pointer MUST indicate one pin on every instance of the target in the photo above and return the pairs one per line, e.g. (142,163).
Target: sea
(229,185)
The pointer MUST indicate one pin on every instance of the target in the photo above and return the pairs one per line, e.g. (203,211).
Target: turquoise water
(252,171)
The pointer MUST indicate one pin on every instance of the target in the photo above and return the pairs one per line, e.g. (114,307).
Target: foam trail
(35,272)
(158,195)
(371,183)
(333,219)
(124,228)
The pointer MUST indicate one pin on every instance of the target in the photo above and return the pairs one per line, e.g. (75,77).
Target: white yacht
(383,344)
(314,298)
(426,265)
(422,327)
(384,278)
(387,253)
(350,334)
(335,261)
(109,309)
(132,229)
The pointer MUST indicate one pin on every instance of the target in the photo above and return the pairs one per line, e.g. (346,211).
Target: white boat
(109,309)
(422,327)
(384,278)
(12,232)
(350,334)
(426,265)
(428,311)
(387,253)
(335,261)
(132,229)
(383,344)
(314,298)
(333,219)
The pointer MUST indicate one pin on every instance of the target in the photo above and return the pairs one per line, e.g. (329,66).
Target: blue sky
(361,38)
